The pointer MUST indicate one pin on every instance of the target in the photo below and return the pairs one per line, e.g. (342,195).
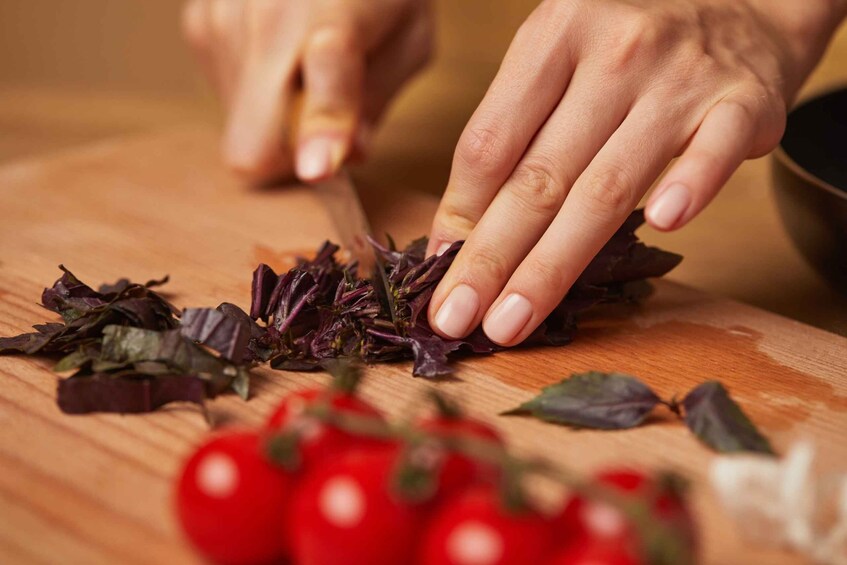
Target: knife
(341,201)
(339,198)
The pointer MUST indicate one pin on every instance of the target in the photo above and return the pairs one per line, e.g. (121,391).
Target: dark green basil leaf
(593,400)
(719,422)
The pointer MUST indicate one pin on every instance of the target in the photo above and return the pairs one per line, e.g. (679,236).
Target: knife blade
(339,198)
(344,207)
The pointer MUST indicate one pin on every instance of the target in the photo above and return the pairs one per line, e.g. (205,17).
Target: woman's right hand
(349,57)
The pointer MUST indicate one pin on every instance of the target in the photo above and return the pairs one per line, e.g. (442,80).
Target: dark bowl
(810,180)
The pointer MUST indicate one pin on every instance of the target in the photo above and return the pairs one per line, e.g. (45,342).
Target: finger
(226,22)
(530,198)
(528,86)
(213,30)
(333,74)
(720,145)
(335,126)
(599,202)
(256,141)
(402,55)
(197,31)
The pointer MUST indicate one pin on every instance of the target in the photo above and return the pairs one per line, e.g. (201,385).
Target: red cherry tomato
(458,470)
(473,528)
(231,501)
(584,520)
(346,513)
(594,553)
(320,441)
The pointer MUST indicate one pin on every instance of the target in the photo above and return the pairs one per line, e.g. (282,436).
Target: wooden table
(96,489)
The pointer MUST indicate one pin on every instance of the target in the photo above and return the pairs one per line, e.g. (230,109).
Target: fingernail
(508,319)
(314,159)
(444,246)
(457,313)
(669,206)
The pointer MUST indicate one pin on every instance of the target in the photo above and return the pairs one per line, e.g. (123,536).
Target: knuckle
(550,276)
(552,21)
(454,220)
(744,107)
(611,191)
(483,148)
(332,40)
(642,35)
(195,28)
(488,265)
(265,20)
(536,186)
(220,20)
(556,12)
(765,116)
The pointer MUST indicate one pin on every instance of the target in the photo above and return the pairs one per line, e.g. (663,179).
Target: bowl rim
(785,158)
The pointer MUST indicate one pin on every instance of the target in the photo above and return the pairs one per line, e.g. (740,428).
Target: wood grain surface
(96,489)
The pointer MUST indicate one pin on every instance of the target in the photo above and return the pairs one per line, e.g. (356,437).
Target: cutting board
(96,489)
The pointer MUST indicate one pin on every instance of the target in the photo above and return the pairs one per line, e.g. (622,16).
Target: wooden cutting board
(96,489)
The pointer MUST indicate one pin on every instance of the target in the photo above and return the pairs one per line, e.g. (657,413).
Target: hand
(592,101)
(351,56)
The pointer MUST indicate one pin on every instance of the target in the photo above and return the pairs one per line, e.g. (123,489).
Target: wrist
(804,27)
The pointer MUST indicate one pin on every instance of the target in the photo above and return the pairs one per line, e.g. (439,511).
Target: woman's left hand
(593,100)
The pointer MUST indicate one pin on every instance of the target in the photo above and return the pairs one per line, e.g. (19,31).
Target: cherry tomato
(459,470)
(346,512)
(594,553)
(585,520)
(319,441)
(473,528)
(231,501)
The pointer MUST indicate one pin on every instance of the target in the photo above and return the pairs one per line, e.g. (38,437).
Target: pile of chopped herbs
(132,351)
(321,310)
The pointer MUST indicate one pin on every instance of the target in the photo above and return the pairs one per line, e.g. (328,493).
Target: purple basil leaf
(121,285)
(624,258)
(144,312)
(256,351)
(719,422)
(297,365)
(593,400)
(264,280)
(30,343)
(430,355)
(227,335)
(236,313)
(126,395)
(69,287)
